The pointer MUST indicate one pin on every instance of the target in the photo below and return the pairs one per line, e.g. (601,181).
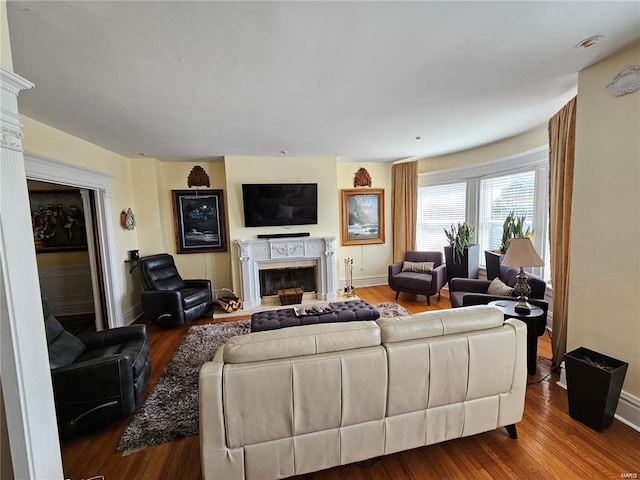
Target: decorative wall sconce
(128,219)
(198,177)
(362,178)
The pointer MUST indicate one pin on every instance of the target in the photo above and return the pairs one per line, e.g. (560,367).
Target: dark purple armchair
(416,281)
(464,292)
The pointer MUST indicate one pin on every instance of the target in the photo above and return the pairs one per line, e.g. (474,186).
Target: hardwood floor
(551,445)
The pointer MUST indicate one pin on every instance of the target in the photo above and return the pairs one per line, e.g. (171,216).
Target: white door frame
(44,169)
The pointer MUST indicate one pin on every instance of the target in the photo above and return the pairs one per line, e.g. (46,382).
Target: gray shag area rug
(171,409)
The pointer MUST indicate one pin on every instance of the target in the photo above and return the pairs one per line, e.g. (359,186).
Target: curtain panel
(404,199)
(562,133)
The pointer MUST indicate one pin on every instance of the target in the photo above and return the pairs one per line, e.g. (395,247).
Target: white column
(24,362)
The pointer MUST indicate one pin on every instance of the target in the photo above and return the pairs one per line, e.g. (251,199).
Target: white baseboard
(628,410)
(132,315)
(364,281)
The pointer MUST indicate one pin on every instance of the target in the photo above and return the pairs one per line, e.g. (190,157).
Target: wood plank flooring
(551,445)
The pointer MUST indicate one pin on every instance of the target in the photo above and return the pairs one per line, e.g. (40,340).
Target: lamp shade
(521,254)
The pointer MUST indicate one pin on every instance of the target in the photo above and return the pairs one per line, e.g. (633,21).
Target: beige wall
(487,153)
(370,262)
(41,139)
(173,176)
(320,170)
(604,291)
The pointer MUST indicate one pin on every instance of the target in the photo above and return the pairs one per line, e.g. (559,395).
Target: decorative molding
(362,178)
(12,82)
(253,255)
(198,178)
(626,81)
(513,163)
(46,169)
(287,250)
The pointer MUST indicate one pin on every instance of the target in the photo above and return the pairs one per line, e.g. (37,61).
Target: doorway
(68,264)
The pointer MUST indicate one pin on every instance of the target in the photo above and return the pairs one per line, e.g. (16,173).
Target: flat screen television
(276,204)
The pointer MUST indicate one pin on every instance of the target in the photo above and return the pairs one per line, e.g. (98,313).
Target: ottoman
(352,310)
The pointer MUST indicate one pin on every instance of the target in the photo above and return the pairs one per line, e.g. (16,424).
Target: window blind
(498,197)
(439,206)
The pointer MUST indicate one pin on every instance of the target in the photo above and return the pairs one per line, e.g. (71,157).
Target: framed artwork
(199,221)
(362,216)
(57,219)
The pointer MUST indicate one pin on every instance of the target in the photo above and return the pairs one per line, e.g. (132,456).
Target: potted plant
(462,253)
(512,227)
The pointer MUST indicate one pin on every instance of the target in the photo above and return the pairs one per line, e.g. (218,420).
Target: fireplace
(275,278)
(315,253)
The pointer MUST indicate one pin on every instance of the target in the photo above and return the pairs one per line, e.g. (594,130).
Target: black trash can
(594,383)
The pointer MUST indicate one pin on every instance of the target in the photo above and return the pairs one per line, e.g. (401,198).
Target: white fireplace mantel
(257,254)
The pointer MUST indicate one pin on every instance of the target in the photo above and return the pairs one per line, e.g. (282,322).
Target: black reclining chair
(167,298)
(97,377)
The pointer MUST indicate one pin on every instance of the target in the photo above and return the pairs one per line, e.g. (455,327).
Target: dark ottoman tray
(349,311)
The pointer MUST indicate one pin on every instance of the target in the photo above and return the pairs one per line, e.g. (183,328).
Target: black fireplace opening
(272,280)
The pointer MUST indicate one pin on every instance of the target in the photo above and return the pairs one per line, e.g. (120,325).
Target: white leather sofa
(287,402)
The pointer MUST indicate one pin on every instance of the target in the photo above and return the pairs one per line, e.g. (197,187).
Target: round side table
(532,319)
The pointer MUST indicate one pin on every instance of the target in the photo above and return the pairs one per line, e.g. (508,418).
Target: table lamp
(522,254)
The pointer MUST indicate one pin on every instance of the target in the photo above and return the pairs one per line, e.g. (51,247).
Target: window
(438,207)
(498,197)
(483,195)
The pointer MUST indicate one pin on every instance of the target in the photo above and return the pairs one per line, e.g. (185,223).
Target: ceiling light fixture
(284,152)
(589,42)
(142,154)
(418,137)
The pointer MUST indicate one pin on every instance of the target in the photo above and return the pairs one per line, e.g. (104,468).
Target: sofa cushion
(419,267)
(64,350)
(303,340)
(497,287)
(439,322)
(136,350)
(412,281)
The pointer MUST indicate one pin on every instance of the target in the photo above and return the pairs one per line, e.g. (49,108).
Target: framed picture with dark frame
(58,221)
(199,221)
(362,216)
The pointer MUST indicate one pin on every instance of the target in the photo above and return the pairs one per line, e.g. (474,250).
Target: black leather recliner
(167,298)
(97,377)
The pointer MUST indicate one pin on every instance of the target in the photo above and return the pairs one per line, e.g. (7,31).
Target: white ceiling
(356,80)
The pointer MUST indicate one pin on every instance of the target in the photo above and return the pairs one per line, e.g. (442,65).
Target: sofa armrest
(113,336)
(472,285)
(439,276)
(394,269)
(93,393)
(218,461)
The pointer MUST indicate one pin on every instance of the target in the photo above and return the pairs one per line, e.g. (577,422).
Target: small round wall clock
(128,219)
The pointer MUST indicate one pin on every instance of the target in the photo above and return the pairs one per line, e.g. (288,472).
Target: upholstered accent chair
(167,298)
(422,273)
(464,292)
(97,377)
